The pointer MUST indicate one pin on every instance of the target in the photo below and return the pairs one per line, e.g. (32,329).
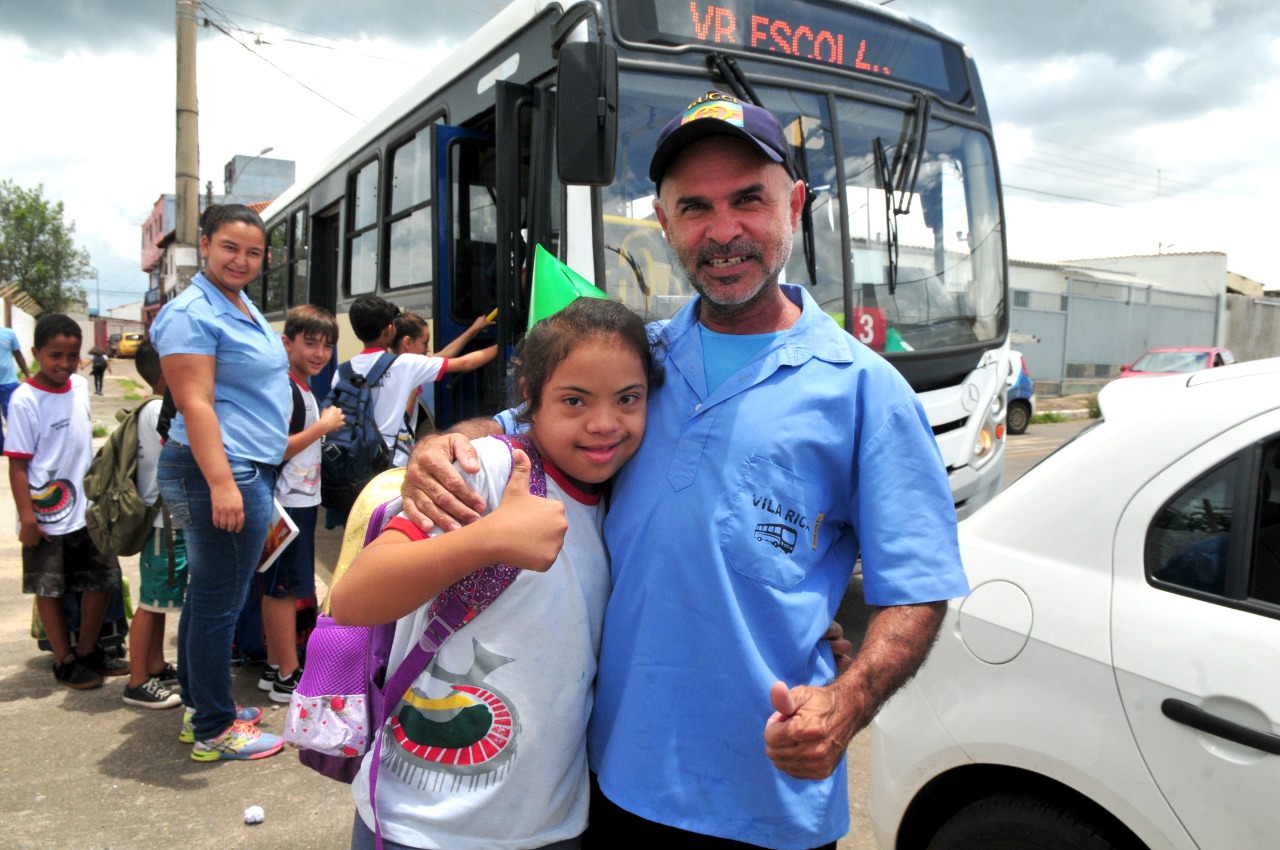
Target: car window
(1188,544)
(1264,578)
(1197,543)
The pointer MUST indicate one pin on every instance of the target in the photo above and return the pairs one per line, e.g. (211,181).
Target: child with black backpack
(373,389)
(486,747)
(310,333)
(163,579)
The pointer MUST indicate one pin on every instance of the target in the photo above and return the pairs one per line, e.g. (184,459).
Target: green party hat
(555,286)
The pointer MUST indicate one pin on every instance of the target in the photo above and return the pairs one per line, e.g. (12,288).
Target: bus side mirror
(587,113)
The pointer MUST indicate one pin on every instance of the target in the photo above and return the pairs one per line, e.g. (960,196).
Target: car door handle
(1184,712)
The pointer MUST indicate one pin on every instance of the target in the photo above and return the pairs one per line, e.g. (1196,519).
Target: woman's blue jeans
(220,566)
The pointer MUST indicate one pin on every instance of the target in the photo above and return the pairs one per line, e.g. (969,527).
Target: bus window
(411,248)
(298,261)
(362,253)
(277,269)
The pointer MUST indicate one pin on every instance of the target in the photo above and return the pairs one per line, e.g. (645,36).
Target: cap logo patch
(721,109)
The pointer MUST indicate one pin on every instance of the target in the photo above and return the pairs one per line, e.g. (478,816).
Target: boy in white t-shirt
(310,334)
(49,447)
(373,320)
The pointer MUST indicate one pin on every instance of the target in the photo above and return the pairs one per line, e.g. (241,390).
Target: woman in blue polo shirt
(228,373)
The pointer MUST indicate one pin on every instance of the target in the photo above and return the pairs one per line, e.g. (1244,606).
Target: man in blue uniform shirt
(778,451)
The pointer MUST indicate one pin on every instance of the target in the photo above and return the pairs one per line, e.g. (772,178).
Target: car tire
(1019,417)
(1019,822)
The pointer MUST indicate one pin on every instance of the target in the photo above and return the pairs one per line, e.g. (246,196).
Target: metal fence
(1086,335)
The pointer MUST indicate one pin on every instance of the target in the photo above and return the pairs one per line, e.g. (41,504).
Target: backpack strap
(298,420)
(380,367)
(456,606)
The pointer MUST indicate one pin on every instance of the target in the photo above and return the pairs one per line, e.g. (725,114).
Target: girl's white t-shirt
(489,749)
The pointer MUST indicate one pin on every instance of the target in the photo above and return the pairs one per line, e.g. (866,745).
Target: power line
(225,32)
(1060,195)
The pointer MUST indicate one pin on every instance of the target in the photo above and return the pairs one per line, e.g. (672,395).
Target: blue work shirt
(733,534)
(251,395)
(8,367)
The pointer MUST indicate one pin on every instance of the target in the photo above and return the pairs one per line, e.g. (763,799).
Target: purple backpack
(341,701)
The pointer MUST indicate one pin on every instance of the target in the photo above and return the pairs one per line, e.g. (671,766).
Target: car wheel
(1019,417)
(1017,822)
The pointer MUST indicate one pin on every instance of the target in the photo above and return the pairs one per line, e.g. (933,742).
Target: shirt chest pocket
(767,525)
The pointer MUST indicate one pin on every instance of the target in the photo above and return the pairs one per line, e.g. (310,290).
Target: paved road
(82,770)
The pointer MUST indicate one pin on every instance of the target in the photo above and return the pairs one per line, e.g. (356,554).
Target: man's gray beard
(722,311)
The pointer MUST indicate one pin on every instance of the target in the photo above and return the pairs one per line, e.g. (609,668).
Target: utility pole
(184,252)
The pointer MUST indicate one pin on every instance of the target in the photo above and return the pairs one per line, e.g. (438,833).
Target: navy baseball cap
(719,114)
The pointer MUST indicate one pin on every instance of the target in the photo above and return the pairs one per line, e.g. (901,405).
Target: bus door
(467,245)
(486,232)
(326,237)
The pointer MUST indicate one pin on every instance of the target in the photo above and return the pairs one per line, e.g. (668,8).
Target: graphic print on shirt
(464,741)
(55,500)
(781,535)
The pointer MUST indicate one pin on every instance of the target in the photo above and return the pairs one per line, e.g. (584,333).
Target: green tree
(37,249)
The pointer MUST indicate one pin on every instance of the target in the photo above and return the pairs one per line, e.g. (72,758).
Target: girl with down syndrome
(487,747)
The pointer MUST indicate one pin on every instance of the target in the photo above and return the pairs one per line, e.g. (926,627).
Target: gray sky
(1122,128)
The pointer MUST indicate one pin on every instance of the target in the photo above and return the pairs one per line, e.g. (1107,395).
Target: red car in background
(1169,361)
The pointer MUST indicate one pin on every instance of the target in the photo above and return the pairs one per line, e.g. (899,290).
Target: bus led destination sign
(821,32)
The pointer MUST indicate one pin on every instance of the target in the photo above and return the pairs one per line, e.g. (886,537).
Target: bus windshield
(913,197)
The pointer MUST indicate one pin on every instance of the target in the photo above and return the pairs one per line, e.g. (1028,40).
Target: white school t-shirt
(53,430)
(391,393)
(518,681)
(299,482)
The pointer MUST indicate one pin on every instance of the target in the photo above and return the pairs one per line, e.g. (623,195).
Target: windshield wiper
(902,177)
(890,210)
(727,67)
(911,155)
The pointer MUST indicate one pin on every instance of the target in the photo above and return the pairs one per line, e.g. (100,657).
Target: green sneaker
(244,714)
(240,742)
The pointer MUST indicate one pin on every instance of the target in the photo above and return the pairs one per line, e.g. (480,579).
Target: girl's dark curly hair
(549,342)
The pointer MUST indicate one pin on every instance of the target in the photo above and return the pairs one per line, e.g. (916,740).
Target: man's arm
(434,493)
(811,727)
(22,363)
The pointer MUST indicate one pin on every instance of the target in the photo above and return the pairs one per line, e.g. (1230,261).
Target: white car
(1113,680)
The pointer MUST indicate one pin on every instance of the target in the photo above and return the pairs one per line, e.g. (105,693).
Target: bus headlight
(991,433)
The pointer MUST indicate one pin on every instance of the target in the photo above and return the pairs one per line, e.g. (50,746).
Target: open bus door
(486,231)
(467,246)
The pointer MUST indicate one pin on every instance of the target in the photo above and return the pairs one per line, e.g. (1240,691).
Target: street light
(239,171)
(97,290)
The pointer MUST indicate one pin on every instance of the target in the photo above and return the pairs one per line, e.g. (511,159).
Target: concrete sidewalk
(83,770)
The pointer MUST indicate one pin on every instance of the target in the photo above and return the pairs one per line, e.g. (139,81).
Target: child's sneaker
(244,714)
(282,690)
(73,674)
(103,664)
(151,694)
(168,676)
(270,675)
(240,741)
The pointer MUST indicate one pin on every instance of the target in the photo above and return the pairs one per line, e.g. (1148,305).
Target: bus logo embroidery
(719,107)
(461,742)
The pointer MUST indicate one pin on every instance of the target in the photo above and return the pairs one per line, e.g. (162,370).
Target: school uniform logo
(462,741)
(54,501)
